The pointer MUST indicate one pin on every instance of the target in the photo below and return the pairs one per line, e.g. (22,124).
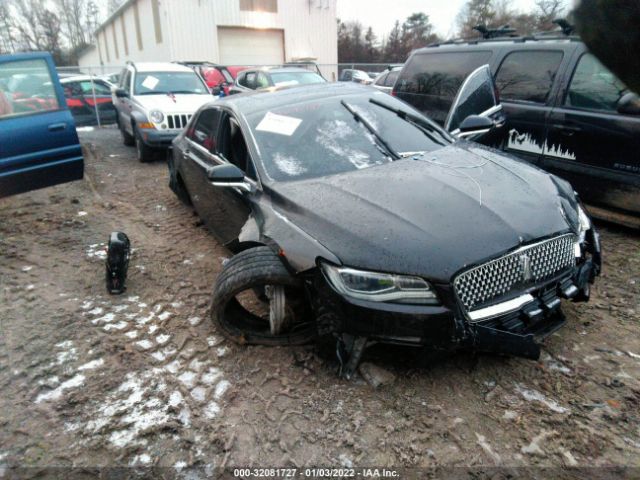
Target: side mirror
(121,93)
(474,125)
(229,175)
(629,104)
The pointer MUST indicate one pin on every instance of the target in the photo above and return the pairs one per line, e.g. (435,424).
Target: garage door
(245,46)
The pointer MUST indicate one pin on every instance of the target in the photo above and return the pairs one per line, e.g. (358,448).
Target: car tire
(175,182)
(249,271)
(127,139)
(144,153)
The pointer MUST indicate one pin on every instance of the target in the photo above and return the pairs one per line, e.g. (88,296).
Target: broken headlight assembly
(379,287)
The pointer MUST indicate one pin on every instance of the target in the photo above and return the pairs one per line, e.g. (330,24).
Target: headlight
(379,287)
(156,116)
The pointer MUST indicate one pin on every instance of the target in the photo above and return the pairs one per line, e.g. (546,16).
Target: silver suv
(154,102)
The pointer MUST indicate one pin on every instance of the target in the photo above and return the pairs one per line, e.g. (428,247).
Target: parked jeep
(565,112)
(39,146)
(155,102)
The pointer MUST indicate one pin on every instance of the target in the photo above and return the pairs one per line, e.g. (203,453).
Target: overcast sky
(381,15)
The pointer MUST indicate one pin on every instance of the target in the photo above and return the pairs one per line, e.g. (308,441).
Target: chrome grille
(500,276)
(178,121)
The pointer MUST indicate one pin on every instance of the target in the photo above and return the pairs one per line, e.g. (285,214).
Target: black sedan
(352,215)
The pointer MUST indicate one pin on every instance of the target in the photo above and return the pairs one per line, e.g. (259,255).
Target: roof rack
(507,34)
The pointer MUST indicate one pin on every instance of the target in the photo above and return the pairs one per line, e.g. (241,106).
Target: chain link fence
(88,88)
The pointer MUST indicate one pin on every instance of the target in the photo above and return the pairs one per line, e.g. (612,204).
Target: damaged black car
(354,216)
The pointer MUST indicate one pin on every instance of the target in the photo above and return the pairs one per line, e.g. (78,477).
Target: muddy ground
(145,379)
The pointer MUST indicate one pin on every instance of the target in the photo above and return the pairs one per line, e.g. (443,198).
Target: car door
(223,209)
(593,144)
(39,146)
(123,104)
(476,96)
(525,80)
(97,95)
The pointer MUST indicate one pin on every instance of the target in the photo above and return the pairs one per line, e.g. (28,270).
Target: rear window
(527,76)
(283,79)
(437,77)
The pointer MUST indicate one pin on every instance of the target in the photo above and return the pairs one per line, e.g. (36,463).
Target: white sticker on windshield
(280,124)
(150,82)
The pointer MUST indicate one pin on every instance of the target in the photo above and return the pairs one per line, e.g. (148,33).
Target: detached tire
(250,271)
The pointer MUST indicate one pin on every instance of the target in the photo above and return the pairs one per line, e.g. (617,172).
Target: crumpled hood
(182,104)
(455,207)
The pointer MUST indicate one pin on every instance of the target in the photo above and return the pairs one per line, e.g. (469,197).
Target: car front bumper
(513,329)
(159,138)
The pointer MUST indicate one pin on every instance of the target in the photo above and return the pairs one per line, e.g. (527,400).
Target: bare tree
(547,11)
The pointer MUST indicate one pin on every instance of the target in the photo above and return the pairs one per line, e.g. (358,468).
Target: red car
(216,76)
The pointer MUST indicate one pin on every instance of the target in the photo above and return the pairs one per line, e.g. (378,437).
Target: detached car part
(117,263)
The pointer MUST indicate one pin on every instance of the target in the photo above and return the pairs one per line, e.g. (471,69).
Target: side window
(233,148)
(205,128)
(391,78)
(242,79)
(348,76)
(28,88)
(437,78)
(594,87)
(250,80)
(527,76)
(261,80)
(100,88)
(380,80)
(126,81)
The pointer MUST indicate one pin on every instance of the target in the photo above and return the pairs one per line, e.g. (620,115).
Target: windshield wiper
(414,120)
(392,153)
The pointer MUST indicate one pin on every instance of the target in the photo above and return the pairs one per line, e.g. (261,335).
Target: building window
(259,5)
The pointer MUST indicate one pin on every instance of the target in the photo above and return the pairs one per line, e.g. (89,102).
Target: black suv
(565,111)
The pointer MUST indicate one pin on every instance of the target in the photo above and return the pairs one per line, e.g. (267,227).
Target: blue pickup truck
(39,146)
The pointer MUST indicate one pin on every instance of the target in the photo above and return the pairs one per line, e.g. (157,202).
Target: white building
(229,32)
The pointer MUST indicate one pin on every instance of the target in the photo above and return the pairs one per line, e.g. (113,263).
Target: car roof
(501,42)
(258,101)
(79,78)
(160,67)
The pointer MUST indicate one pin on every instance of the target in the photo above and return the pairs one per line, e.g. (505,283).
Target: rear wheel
(257,301)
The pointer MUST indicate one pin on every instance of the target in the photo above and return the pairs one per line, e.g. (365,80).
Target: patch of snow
(91,365)
(535,396)
(175,398)
(164,315)
(109,317)
(211,410)
(57,393)
(212,375)
(132,334)
(221,389)
(152,329)
(26,268)
(82,213)
(199,394)
(173,367)
(145,344)
(142,459)
(222,351)
(121,325)
(163,338)
(195,321)
(188,378)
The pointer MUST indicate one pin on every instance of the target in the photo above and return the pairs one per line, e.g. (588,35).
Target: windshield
(151,83)
(282,79)
(322,137)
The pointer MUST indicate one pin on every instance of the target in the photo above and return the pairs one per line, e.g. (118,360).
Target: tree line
(62,27)
(359,44)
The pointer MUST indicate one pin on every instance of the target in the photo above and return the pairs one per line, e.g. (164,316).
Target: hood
(182,104)
(429,216)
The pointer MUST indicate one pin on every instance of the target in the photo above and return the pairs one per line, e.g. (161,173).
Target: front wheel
(144,153)
(257,301)
(127,139)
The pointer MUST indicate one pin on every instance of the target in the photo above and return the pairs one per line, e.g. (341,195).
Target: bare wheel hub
(277,308)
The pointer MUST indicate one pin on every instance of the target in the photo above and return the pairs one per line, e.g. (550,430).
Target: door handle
(567,129)
(57,127)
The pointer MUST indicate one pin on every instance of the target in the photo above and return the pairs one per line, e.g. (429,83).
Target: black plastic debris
(118,253)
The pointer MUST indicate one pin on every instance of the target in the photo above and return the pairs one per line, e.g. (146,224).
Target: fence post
(95,101)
